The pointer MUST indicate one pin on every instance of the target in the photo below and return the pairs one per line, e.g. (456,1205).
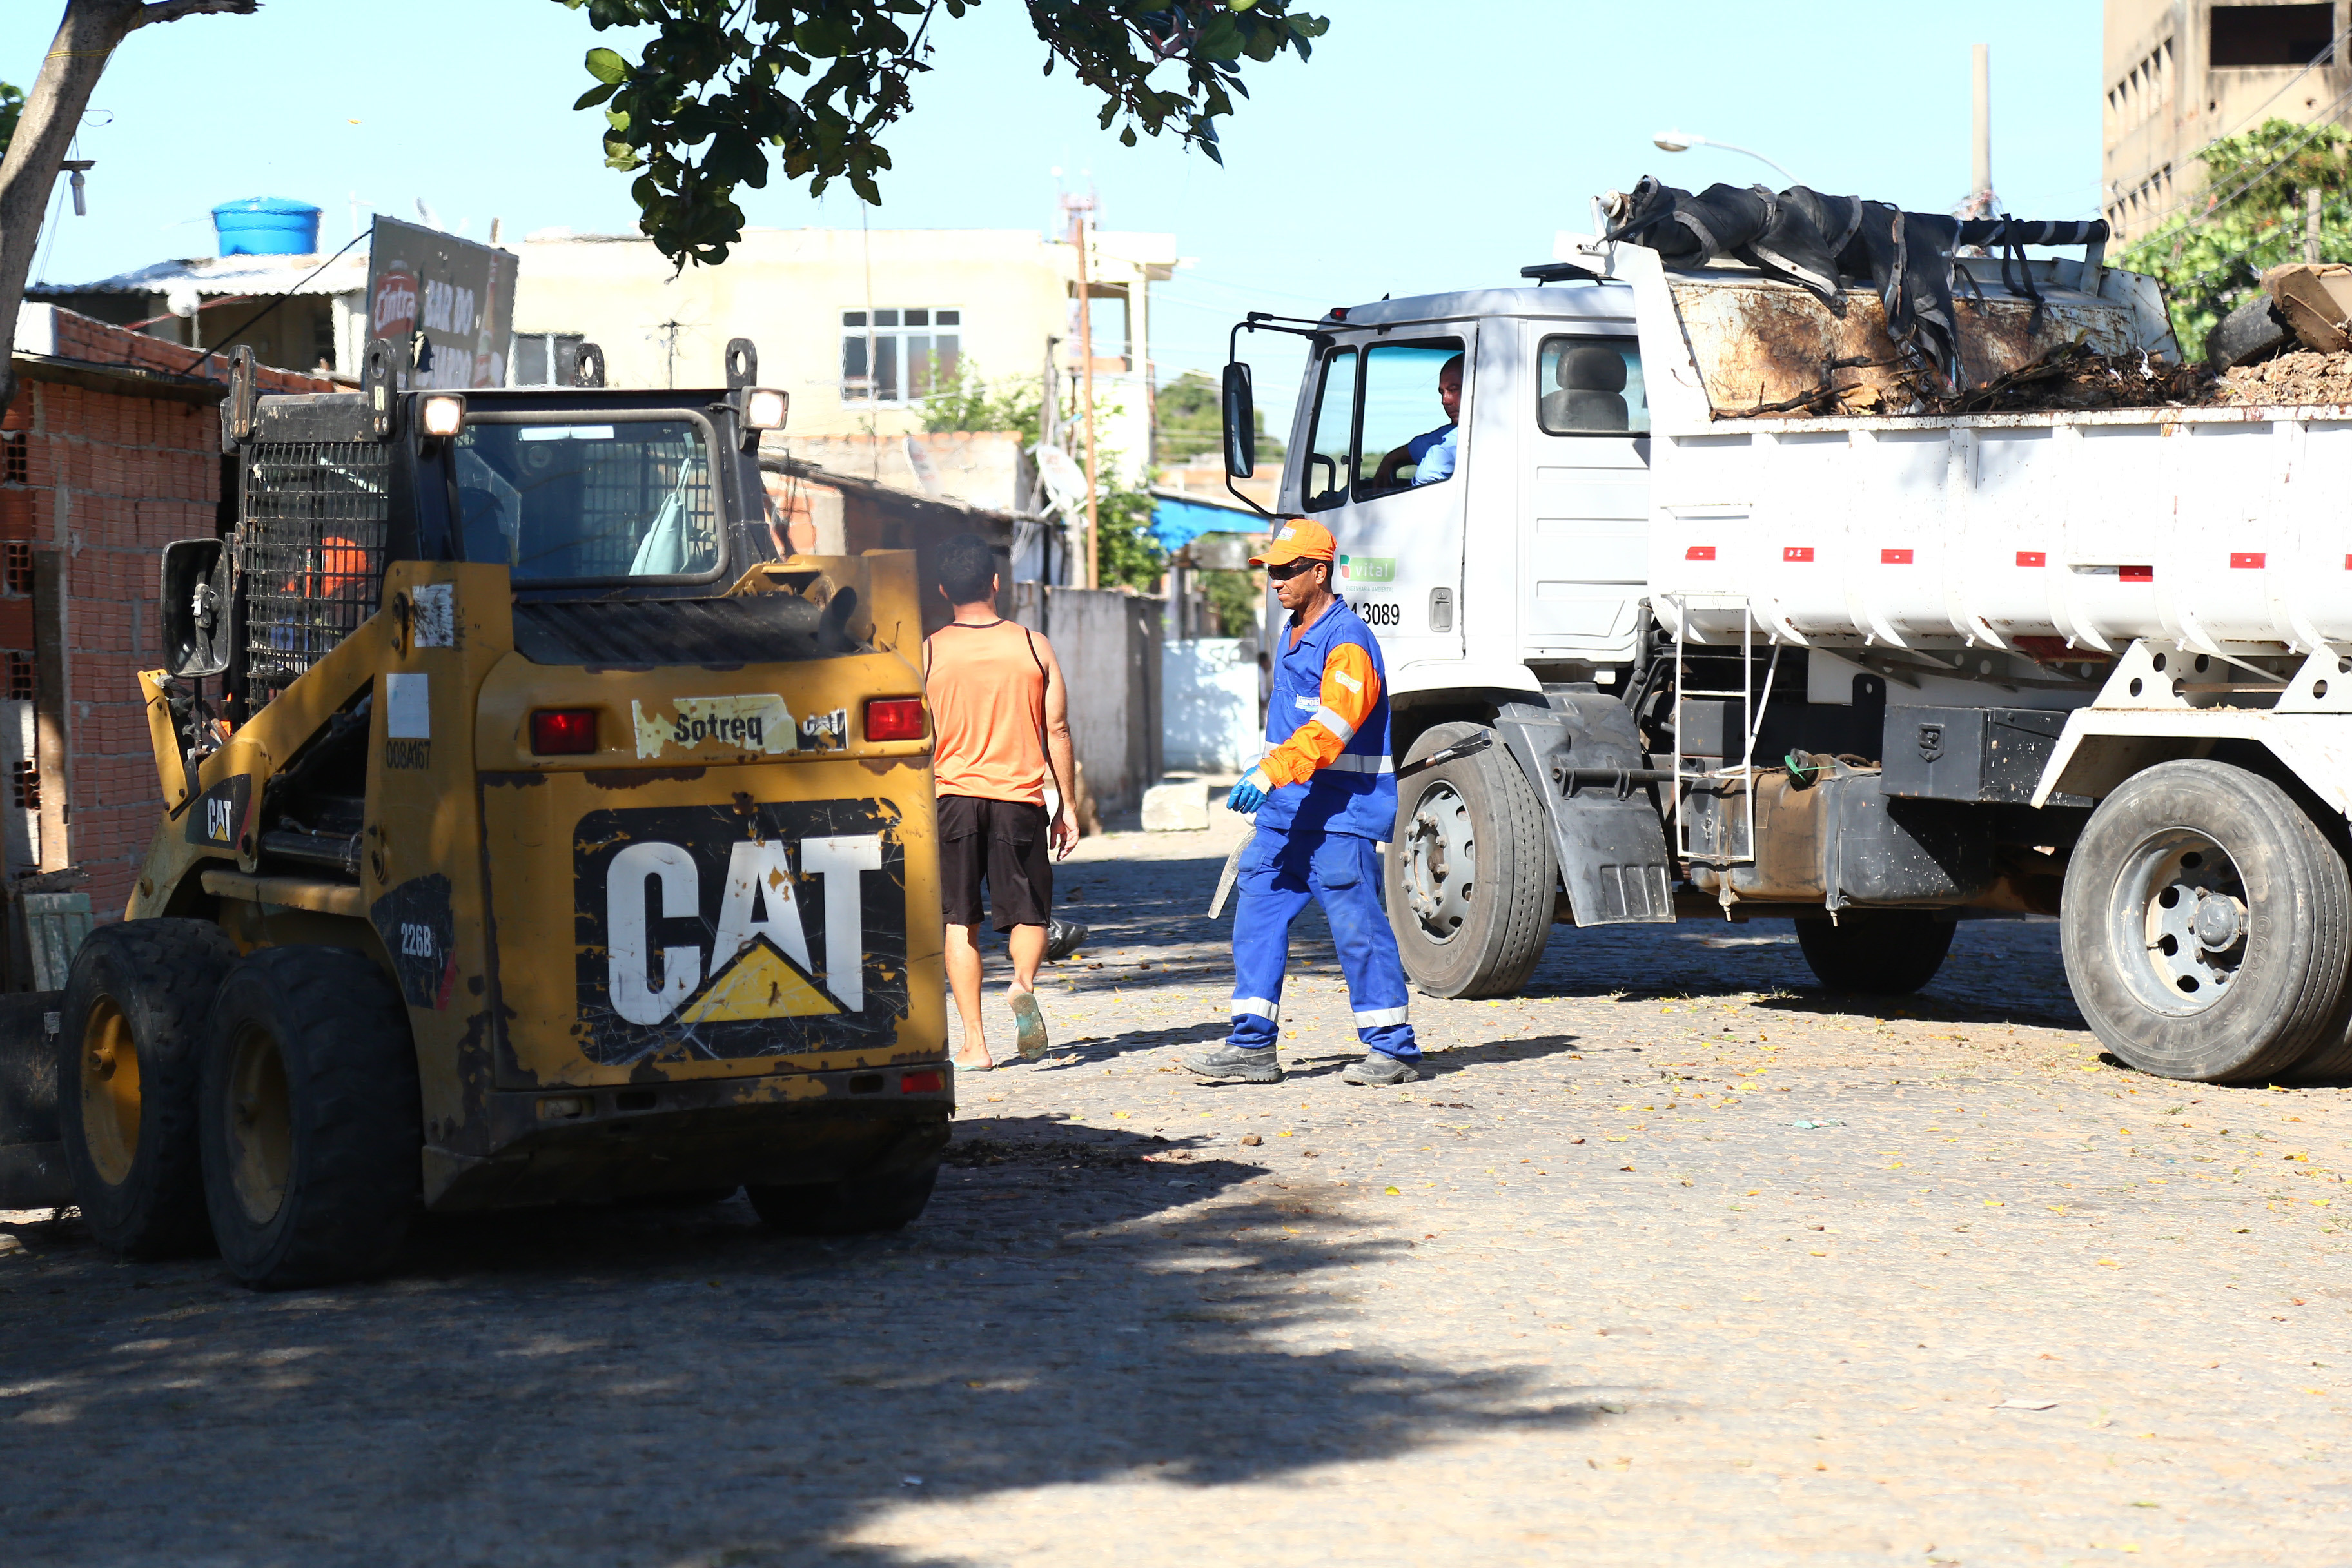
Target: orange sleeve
(1351,689)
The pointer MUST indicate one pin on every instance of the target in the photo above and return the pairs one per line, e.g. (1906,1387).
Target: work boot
(1227,1061)
(1381,1070)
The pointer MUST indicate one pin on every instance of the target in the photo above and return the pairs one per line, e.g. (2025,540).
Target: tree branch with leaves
(43,126)
(726,89)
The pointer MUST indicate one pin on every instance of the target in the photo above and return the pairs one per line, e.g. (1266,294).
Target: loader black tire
(1478,813)
(857,1207)
(131,1034)
(2247,1011)
(311,1118)
(1875,952)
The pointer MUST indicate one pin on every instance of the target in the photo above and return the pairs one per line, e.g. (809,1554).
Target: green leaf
(595,95)
(607,66)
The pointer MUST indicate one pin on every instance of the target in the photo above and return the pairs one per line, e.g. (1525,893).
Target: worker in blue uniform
(1325,794)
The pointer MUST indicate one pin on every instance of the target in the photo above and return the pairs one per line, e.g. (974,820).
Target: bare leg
(963,980)
(1028,944)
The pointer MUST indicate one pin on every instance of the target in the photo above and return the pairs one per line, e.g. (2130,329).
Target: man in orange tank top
(1001,727)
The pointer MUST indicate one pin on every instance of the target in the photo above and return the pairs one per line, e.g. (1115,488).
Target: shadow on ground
(674,1386)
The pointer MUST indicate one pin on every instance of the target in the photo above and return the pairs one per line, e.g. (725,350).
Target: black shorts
(1006,843)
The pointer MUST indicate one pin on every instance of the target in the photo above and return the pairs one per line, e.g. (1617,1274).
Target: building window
(544,359)
(2273,35)
(903,356)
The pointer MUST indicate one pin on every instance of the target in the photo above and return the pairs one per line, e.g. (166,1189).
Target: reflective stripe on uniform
(1361,765)
(1331,720)
(1258,1005)
(1373,1018)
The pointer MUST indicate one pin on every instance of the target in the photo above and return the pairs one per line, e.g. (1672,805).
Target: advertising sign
(446,305)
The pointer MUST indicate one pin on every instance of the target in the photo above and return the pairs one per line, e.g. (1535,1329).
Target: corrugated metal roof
(227,275)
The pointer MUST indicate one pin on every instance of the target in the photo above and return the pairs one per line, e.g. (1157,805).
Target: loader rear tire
(854,1207)
(311,1120)
(129,1038)
(2207,924)
(1470,872)
(1875,952)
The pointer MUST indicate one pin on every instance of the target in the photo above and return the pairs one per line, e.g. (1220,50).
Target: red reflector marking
(2246,560)
(2137,574)
(1797,553)
(894,718)
(564,731)
(1895,558)
(1699,552)
(2032,558)
(921,1083)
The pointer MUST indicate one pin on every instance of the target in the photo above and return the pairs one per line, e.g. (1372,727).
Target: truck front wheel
(2207,925)
(309,1117)
(1469,870)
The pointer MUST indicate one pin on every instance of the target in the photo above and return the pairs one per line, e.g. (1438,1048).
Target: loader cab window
(1590,387)
(566,502)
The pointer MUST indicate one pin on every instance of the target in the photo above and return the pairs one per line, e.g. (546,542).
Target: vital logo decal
(723,933)
(754,723)
(1368,568)
(217,818)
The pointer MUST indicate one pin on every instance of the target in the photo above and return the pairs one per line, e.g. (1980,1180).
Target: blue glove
(1245,797)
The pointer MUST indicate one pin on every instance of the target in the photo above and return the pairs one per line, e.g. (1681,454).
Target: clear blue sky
(1426,145)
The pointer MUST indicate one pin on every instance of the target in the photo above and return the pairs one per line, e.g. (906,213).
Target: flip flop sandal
(962,1066)
(1029,1021)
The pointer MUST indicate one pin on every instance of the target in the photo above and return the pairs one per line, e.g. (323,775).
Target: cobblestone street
(1675,1259)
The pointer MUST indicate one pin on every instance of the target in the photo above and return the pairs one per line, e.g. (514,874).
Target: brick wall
(107,475)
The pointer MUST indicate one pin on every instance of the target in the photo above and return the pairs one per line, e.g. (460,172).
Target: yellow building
(857,326)
(2181,74)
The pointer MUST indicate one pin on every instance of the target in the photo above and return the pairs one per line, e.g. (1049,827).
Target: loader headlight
(764,408)
(443,415)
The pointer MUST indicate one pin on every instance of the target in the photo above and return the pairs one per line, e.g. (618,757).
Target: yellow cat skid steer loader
(545,837)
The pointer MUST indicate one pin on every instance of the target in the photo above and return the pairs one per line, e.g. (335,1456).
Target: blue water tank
(267,225)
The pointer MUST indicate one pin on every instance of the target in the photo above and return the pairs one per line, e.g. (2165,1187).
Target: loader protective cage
(311,531)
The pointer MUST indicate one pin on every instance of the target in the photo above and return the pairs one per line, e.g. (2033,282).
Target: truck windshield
(568,503)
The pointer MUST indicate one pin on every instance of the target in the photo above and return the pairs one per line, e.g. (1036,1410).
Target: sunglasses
(1285,572)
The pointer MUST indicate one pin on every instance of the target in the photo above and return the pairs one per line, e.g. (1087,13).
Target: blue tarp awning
(1177,520)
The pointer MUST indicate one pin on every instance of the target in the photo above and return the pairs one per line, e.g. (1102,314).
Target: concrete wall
(1208,698)
(1109,643)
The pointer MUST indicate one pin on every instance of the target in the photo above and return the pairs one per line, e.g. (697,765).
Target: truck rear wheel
(1875,952)
(129,1037)
(1469,870)
(310,1118)
(852,1207)
(2207,925)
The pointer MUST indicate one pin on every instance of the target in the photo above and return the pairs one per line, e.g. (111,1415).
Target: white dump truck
(1662,640)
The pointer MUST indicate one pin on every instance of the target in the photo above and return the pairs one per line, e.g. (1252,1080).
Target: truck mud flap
(32,1172)
(1585,761)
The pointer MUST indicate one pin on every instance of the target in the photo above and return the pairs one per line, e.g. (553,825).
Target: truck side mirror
(195,607)
(1241,423)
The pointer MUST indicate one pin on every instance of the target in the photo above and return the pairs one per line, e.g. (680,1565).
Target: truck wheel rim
(109,1092)
(2180,922)
(260,1126)
(1441,862)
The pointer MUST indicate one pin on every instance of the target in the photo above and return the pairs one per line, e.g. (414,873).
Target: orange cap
(1298,540)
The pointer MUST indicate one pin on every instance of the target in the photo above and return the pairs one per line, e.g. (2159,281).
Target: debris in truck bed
(2302,376)
(2074,376)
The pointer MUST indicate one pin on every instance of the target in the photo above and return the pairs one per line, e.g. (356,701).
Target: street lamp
(1683,142)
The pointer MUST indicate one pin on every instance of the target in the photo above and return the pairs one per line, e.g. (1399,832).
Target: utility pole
(2310,200)
(1079,208)
(1980,185)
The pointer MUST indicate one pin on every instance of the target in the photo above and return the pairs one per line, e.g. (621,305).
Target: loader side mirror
(1241,423)
(239,411)
(195,607)
(376,385)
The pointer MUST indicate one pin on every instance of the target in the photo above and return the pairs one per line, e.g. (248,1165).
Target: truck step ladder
(1741,850)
